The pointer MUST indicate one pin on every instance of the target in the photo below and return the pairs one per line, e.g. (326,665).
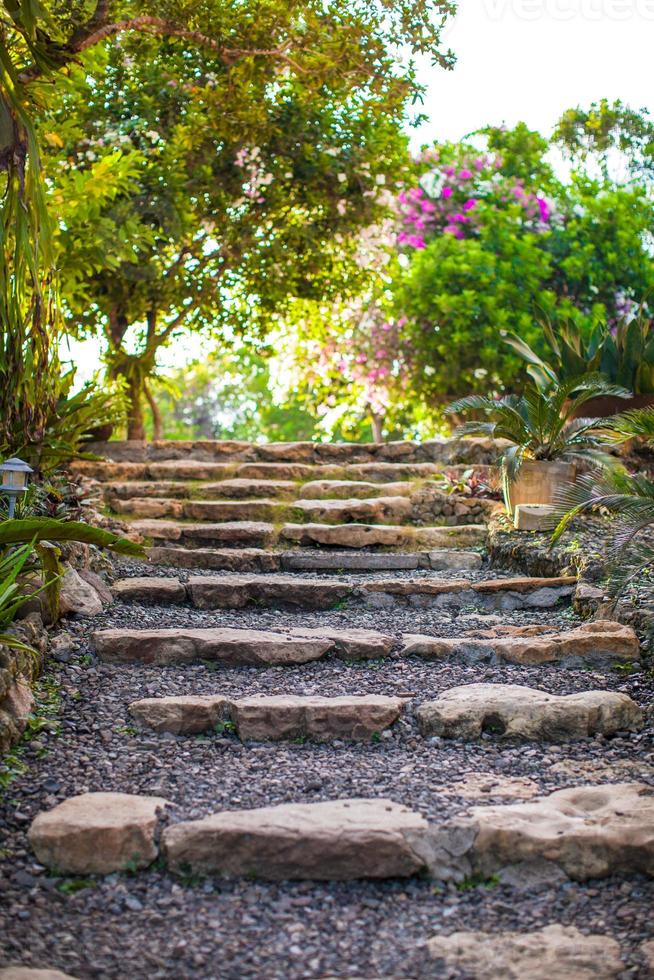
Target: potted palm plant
(623,354)
(548,441)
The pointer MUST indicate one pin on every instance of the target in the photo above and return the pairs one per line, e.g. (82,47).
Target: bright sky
(516,60)
(531,59)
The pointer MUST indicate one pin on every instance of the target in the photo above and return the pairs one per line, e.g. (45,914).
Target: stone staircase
(282,581)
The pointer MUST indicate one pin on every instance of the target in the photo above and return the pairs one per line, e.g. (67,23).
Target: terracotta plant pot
(537,483)
(606,405)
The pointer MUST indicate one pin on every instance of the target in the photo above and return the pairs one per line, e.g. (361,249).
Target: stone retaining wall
(431,506)
(446,451)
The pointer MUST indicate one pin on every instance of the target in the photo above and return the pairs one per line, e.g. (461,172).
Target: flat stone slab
(235,510)
(272,717)
(352,643)
(187,646)
(149,589)
(390,536)
(236,592)
(229,533)
(97,833)
(240,489)
(217,559)
(513,711)
(365,561)
(586,832)
(505,594)
(375,510)
(593,642)
(348,489)
(340,840)
(184,715)
(555,952)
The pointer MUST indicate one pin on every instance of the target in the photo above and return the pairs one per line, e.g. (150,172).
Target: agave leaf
(51,529)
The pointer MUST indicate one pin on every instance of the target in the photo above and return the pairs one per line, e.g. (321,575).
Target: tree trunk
(157,420)
(377,422)
(135,426)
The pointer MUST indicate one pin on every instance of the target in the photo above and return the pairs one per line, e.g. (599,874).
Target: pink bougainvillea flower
(449,171)
(417,241)
(402,198)
(428,207)
(465,174)
(446,192)
(416,193)
(480,163)
(543,208)
(470,204)
(462,218)
(450,230)
(361,359)
(402,238)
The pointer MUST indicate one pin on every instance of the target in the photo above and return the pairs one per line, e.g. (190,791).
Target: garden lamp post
(14,474)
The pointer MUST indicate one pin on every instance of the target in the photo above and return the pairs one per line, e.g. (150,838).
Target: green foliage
(34,529)
(12,596)
(606,129)
(497,272)
(624,354)
(541,425)
(238,176)
(630,499)
(229,395)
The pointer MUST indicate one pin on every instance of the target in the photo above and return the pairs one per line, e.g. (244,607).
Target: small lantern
(14,474)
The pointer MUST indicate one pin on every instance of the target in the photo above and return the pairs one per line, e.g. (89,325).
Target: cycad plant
(540,424)
(630,499)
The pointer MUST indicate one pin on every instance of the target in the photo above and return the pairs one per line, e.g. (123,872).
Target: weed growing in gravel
(225,728)
(471,882)
(126,730)
(375,738)
(73,885)
(47,703)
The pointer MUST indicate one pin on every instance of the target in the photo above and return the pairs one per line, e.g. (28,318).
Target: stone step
(445,451)
(600,641)
(231,534)
(239,591)
(339,840)
(260,560)
(272,717)
(200,471)
(98,833)
(367,561)
(555,952)
(349,489)
(386,536)
(261,534)
(29,973)
(236,489)
(217,559)
(238,647)
(375,510)
(209,510)
(584,832)
(513,711)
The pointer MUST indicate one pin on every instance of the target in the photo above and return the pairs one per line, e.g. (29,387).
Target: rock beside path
(514,711)
(97,833)
(181,715)
(340,840)
(553,953)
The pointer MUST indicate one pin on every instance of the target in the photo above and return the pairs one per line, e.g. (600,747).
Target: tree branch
(95,31)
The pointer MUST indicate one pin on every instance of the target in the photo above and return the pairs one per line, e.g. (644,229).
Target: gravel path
(154,925)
